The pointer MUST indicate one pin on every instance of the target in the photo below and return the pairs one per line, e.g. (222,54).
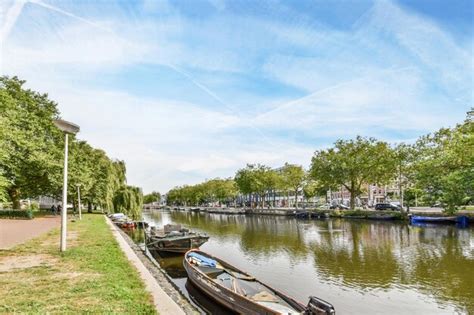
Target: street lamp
(79,200)
(67,128)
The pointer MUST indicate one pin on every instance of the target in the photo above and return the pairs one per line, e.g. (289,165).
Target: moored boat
(428,219)
(173,239)
(242,293)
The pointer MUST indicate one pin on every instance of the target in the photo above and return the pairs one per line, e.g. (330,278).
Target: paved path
(163,303)
(14,232)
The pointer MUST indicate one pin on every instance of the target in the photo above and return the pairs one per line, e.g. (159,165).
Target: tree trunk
(89,207)
(296,198)
(14,194)
(352,196)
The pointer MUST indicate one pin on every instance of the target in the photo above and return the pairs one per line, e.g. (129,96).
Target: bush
(16,214)
(34,206)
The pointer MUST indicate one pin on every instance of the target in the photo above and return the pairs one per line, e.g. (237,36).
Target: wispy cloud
(391,73)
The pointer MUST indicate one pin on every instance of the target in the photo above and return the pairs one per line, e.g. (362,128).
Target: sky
(184,91)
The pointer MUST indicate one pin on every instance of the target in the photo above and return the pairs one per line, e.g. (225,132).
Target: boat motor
(317,306)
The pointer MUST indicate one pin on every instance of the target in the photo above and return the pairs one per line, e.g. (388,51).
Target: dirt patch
(72,238)
(23,262)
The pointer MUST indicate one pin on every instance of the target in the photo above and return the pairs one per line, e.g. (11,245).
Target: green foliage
(444,169)
(152,197)
(14,214)
(31,154)
(313,188)
(214,190)
(29,142)
(353,163)
(257,179)
(129,200)
(292,178)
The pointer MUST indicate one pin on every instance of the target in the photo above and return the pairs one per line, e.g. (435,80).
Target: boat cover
(205,261)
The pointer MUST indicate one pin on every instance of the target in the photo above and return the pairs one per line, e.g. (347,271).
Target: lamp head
(66,126)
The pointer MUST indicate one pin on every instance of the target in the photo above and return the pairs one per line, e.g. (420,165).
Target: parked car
(386,206)
(340,207)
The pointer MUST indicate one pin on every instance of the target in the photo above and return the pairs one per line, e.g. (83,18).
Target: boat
(242,293)
(427,219)
(126,224)
(173,239)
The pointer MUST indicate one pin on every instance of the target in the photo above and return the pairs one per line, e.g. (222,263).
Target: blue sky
(188,90)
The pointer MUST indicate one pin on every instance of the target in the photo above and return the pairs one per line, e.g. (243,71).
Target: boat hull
(228,298)
(181,245)
(416,219)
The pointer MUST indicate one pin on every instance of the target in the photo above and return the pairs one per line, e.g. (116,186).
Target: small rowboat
(242,293)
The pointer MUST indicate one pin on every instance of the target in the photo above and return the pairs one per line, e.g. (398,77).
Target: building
(371,195)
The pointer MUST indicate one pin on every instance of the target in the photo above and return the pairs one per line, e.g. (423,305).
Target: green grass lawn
(92,276)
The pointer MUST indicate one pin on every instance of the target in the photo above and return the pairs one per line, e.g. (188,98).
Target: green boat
(173,239)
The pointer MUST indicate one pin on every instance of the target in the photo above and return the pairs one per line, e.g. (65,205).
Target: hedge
(13,214)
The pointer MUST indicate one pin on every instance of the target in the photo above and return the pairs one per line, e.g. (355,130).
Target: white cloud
(393,71)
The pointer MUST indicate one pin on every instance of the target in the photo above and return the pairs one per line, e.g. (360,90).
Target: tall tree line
(31,157)
(437,168)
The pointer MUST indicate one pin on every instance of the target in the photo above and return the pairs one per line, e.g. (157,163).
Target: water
(359,266)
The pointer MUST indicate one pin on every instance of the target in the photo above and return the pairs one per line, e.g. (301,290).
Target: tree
(129,200)
(405,156)
(152,197)
(353,163)
(313,188)
(445,165)
(30,144)
(31,154)
(293,176)
(257,179)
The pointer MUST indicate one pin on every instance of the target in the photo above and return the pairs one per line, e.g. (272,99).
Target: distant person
(59,209)
(53,210)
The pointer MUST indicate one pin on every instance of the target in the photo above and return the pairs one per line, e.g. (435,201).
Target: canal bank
(361,266)
(311,213)
(167,297)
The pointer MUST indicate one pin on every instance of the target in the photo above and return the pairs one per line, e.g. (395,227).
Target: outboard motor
(317,306)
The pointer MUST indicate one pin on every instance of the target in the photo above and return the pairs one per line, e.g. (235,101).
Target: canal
(360,266)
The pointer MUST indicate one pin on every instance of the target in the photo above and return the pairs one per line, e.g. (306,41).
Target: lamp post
(67,128)
(79,200)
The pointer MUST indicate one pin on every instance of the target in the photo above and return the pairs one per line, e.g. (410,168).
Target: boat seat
(211,271)
(264,296)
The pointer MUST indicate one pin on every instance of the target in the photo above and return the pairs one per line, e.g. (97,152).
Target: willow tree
(129,200)
(354,163)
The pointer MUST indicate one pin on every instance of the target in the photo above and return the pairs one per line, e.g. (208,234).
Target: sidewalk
(163,303)
(14,232)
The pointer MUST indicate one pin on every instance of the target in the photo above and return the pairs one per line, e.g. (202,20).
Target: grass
(92,276)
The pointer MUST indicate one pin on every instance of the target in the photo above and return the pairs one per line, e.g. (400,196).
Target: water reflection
(360,266)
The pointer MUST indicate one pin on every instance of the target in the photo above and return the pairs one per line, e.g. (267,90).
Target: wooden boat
(242,293)
(173,239)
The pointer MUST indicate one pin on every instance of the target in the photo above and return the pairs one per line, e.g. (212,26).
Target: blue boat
(462,220)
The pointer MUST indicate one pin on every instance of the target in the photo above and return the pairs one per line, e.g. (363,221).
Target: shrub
(16,214)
